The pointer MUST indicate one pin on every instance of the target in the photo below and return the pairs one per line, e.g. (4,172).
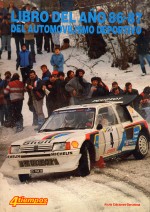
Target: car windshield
(81,118)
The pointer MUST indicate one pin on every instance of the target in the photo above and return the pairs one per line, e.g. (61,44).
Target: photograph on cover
(74,105)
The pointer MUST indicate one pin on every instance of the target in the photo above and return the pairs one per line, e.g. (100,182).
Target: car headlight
(14,149)
(61,146)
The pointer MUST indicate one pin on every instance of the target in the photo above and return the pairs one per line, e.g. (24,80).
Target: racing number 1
(111,140)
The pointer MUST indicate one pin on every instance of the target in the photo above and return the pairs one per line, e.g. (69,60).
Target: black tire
(142,147)
(23,177)
(84,167)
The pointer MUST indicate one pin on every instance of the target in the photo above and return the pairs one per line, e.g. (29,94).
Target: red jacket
(15,89)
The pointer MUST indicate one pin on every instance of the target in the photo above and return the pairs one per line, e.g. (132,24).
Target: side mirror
(99,127)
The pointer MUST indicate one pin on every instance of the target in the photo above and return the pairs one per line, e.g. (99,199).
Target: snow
(70,194)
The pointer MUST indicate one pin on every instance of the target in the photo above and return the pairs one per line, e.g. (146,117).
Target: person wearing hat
(142,43)
(5,32)
(78,87)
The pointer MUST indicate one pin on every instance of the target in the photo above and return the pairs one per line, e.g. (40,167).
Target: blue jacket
(24,59)
(46,76)
(57,61)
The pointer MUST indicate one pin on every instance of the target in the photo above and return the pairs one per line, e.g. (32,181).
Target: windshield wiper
(46,130)
(65,128)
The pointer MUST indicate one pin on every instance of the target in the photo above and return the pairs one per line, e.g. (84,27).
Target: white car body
(37,154)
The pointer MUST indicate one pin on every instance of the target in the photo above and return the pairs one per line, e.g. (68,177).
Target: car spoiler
(122,99)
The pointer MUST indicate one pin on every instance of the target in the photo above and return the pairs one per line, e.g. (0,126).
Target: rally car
(76,137)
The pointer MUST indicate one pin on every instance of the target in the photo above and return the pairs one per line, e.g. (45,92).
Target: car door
(130,131)
(108,135)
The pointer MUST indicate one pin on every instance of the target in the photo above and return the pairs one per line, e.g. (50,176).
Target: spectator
(34,87)
(16,90)
(77,87)
(94,88)
(102,88)
(6,108)
(3,10)
(144,104)
(48,37)
(46,73)
(51,97)
(57,60)
(19,39)
(129,90)
(1,105)
(142,42)
(24,60)
(62,96)
(70,75)
(116,90)
(11,8)
(5,32)
(1,17)
(29,39)
(144,97)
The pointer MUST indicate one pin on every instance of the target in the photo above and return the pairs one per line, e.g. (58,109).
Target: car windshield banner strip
(123,99)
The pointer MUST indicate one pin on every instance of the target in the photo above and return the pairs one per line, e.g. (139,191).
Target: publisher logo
(16,200)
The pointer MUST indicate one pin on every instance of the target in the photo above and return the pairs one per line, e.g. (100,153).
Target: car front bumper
(43,162)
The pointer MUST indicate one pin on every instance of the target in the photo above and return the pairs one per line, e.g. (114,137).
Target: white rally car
(75,137)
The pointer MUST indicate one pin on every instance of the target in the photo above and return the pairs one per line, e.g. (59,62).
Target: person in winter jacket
(70,75)
(94,88)
(130,91)
(57,60)
(143,50)
(11,8)
(5,32)
(3,10)
(62,96)
(19,38)
(16,90)
(51,96)
(34,87)
(78,87)
(25,62)
(116,90)
(29,39)
(103,88)
(6,107)
(45,73)
(144,103)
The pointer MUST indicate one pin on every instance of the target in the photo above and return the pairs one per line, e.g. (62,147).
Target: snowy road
(94,193)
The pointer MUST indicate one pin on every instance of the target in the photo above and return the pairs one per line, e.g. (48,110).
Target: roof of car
(93,105)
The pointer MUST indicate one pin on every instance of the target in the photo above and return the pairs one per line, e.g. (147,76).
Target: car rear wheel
(23,177)
(84,167)
(142,147)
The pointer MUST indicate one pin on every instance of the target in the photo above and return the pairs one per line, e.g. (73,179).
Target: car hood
(52,137)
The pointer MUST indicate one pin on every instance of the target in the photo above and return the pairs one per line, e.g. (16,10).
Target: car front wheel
(142,147)
(84,167)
